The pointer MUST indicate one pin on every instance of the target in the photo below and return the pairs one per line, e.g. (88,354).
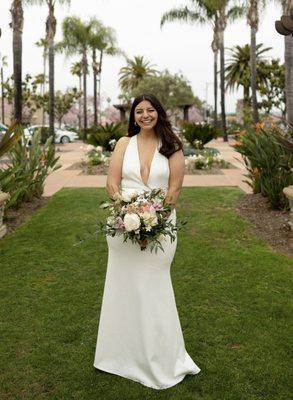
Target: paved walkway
(71,153)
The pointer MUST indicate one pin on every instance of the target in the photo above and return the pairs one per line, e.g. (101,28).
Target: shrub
(269,163)
(24,178)
(197,135)
(204,161)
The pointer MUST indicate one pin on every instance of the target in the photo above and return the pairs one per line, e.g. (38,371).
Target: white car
(3,129)
(61,136)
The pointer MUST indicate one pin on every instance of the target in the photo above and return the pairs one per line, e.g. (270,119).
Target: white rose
(90,147)
(131,222)
(99,148)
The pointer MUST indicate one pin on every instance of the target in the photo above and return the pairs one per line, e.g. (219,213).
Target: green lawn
(232,293)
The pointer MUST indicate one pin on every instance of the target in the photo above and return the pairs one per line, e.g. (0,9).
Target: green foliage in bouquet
(141,218)
(25,174)
(268,157)
(101,135)
(197,135)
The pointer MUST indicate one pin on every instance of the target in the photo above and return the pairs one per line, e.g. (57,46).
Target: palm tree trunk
(100,76)
(2,97)
(51,30)
(95,87)
(84,67)
(253,73)
(17,25)
(222,83)
(79,104)
(44,84)
(289,77)
(216,89)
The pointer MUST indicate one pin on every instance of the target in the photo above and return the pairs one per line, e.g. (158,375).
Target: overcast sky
(178,47)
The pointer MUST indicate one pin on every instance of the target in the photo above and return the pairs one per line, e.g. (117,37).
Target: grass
(232,293)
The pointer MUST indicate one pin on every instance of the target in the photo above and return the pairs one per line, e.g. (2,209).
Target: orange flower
(259,125)
(42,157)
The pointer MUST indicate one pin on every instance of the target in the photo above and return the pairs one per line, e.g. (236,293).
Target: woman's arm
(177,169)
(115,166)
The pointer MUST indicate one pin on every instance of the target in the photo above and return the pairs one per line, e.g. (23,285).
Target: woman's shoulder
(123,140)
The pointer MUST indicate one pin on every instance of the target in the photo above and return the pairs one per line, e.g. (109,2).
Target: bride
(139,335)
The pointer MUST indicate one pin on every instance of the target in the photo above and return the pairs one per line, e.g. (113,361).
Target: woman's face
(145,115)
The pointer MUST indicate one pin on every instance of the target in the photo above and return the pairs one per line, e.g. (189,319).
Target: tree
(64,102)
(103,39)
(200,12)
(43,43)
(238,71)
(76,69)
(170,89)
(135,70)
(216,13)
(286,5)
(31,100)
(226,13)
(3,64)
(17,26)
(77,41)
(253,9)
(51,24)
(273,90)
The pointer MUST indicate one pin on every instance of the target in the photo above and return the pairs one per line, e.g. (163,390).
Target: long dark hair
(170,142)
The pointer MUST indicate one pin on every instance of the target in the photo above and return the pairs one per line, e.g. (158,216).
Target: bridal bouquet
(142,218)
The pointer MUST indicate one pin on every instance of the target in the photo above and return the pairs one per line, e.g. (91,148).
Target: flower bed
(204,162)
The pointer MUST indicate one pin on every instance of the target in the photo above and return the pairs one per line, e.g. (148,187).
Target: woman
(140,336)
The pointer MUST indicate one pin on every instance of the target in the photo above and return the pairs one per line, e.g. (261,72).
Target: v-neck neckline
(139,164)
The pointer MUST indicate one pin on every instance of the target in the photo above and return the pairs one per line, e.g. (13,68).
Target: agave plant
(198,134)
(101,135)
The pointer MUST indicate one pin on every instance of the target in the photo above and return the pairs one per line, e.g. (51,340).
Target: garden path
(71,153)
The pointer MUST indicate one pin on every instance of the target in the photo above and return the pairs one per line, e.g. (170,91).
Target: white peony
(131,222)
(128,196)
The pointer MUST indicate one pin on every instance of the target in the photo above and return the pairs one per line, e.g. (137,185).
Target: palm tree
(134,72)
(76,69)
(225,14)
(238,71)
(51,24)
(253,9)
(43,43)
(103,39)
(77,40)
(286,5)
(201,13)
(214,12)
(17,26)
(3,64)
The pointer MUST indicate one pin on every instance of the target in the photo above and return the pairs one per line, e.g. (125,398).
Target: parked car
(61,135)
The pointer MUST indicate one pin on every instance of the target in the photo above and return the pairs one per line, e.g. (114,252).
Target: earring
(136,124)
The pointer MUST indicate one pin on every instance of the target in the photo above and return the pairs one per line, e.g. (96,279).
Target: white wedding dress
(139,334)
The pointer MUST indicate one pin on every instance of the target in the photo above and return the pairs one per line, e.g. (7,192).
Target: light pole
(206,99)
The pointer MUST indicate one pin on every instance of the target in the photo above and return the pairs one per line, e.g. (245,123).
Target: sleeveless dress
(139,334)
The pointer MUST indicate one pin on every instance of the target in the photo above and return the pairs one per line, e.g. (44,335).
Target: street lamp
(206,99)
